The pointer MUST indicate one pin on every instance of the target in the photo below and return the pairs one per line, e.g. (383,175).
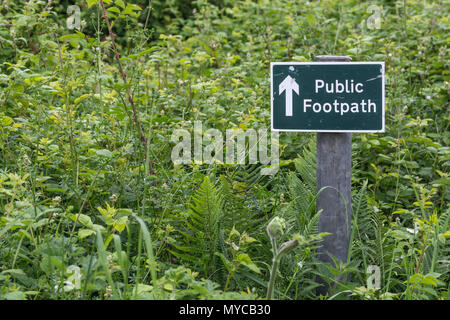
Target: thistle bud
(275,228)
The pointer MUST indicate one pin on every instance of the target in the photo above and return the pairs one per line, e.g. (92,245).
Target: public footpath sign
(327,96)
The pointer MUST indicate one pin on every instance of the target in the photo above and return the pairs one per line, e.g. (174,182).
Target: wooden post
(334,169)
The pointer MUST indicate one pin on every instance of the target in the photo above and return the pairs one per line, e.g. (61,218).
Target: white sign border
(327,63)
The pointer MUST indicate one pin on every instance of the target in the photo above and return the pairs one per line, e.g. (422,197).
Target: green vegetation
(92,206)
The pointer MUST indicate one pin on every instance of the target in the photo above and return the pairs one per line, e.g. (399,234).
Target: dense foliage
(92,206)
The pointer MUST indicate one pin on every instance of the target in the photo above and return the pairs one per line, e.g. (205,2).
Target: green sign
(327,96)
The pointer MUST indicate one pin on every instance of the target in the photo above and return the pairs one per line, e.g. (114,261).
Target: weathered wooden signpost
(333,97)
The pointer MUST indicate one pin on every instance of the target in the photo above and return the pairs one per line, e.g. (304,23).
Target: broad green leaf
(104,153)
(120,223)
(83,219)
(81,98)
(246,261)
(132,6)
(84,233)
(15,295)
(72,36)
(6,121)
(120,3)
(114,9)
(90,3)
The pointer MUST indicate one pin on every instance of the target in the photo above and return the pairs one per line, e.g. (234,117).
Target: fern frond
(302,188)
(306,165)
(202,237)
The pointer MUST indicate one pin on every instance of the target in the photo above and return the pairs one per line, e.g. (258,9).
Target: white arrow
(288,85)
